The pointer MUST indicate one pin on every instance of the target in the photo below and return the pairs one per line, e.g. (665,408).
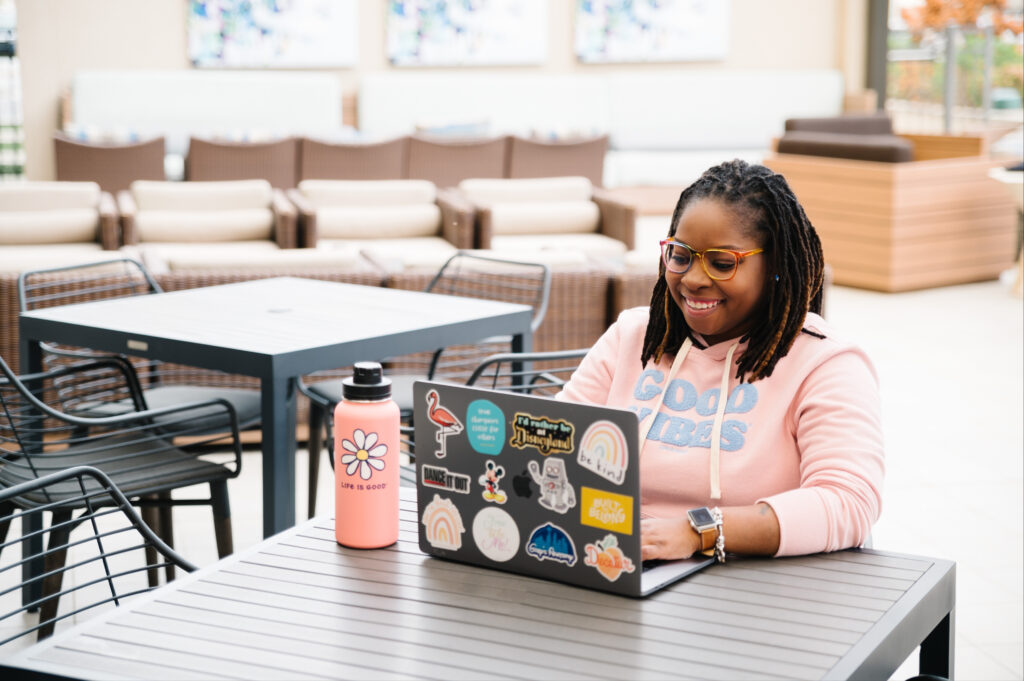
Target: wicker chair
(217,160)
(447,162)
(238,212)
(102,564)
(353,161)
(539,158)
(112,166)
(464,274)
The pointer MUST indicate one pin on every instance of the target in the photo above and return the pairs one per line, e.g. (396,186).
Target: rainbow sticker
(443,524)
(603,451)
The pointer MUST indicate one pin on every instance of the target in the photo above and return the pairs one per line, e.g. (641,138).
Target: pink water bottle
(366,460)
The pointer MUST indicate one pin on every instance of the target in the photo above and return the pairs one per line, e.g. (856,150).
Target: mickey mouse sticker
(489,480)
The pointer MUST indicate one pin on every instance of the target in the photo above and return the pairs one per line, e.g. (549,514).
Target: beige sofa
(396,217)
(49,224)
(524,216)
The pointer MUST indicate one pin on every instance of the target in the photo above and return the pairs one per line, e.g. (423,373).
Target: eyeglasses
(719,263)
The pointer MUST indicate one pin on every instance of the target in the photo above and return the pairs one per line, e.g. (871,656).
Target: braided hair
(795,266)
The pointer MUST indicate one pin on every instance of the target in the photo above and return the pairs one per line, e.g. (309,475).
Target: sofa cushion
(378,222)
(204,225)
(533,246)
(368,193)
(22,258)
(49,196)
(545,217)
(853,124)
(416,253)
(283,260)
(68,225)
(201,196)
(486,192)
(885,148)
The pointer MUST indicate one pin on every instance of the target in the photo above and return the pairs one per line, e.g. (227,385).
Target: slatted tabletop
(300,606)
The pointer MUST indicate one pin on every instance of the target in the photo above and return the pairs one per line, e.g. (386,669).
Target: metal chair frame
(101,560)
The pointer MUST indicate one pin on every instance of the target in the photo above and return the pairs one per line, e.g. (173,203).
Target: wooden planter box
(901,226)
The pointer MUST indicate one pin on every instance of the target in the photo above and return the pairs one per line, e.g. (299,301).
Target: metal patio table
(276,330)
(299,606)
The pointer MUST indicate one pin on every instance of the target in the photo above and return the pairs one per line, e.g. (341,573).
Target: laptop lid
(534,486)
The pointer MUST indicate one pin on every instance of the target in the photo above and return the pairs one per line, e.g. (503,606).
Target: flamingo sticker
(446,422)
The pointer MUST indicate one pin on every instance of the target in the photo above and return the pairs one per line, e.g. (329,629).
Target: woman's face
(718,310)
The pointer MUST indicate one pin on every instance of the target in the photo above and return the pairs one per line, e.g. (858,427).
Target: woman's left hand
(666,539)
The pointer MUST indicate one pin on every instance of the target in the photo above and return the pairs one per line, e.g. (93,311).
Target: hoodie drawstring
(714,463)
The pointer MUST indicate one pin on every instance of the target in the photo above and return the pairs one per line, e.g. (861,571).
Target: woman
(791,458)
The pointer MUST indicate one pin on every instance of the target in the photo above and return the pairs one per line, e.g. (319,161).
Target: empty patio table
(298,605)
(276,330)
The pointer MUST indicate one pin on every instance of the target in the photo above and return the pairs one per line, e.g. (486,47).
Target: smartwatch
(704,524)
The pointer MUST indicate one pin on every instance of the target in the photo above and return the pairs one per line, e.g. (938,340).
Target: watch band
(704,523)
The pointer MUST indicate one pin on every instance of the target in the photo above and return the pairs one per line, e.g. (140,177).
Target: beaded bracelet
(716,513)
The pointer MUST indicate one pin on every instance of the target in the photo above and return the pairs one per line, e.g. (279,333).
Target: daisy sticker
(363,456)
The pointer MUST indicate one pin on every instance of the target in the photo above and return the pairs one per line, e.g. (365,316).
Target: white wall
(58,37)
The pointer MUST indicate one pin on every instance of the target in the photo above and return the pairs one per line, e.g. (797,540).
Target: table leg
(31,361)
(937,649)
(277,403)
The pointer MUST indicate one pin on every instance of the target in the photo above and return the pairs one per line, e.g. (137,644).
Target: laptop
(534,486)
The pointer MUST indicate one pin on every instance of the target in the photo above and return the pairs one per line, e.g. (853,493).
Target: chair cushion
(885,148)
(545,217)
(36,257)
(201,196)
(490,191)
(425,252)
(49,196)
(243,224)
(157,255)
(351,193)
(395,221)
(566,247)
(285,260)
(66,225)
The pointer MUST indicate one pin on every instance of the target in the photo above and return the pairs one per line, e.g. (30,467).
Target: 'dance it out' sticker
(443,524)
(548,436)
(551,542)
(603,451)
(439,477)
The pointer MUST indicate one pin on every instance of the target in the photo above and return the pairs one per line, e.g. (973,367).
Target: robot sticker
(551,542)
(447,423)
(556,494)
(489,480)
(444,524)
(607,557)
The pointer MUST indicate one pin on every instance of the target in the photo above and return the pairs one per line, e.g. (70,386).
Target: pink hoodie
(807,440)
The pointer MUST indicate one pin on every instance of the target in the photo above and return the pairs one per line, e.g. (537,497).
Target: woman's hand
(667,539)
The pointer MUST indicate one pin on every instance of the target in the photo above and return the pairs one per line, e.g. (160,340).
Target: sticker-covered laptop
(534,486)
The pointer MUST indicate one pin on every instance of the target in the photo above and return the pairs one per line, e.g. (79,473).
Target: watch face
(701,517)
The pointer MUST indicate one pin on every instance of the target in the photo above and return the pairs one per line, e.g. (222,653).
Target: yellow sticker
(606,510)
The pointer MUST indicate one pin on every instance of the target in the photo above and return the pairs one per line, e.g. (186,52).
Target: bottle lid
(367,383)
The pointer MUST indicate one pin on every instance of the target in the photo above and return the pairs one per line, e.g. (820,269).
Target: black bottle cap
(367,383)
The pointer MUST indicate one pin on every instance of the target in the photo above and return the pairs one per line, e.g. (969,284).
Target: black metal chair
(464,274)
(535,373)
(103,562)
(137,450)
(162,384)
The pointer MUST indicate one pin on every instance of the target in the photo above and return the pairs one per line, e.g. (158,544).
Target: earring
(776,277)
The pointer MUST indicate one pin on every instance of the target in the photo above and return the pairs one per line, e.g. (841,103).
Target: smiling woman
(747,399)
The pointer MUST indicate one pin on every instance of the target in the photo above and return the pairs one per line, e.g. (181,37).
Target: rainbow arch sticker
(603,450)
(443,524)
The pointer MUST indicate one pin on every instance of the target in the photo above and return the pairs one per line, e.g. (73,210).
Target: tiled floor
(951,363)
